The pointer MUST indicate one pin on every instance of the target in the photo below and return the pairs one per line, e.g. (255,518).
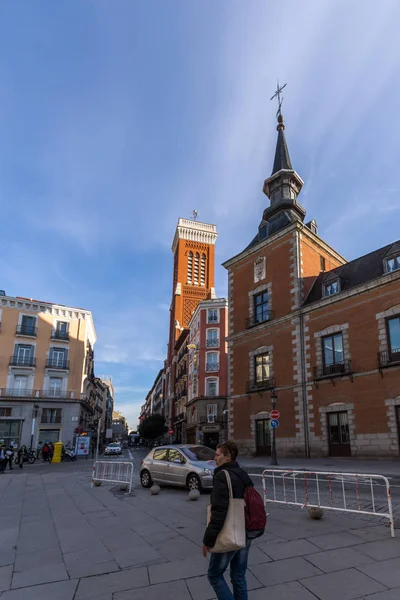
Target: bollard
(57,452)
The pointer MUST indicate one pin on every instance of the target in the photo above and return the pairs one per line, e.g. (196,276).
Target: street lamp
(34,417)
(274,461)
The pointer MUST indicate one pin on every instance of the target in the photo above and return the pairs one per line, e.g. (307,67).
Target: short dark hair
(229,447)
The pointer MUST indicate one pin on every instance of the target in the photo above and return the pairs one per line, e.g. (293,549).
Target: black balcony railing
(255,320)
(50,419)
(212,367)
(389,358)
(260,385)
(18,393)
(334,370)
(27,330)
(180,417)
(212,343)
(57,363)
(22,361)
(58,334)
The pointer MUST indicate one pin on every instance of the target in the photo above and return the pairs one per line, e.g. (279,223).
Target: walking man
(225,457)
(10,456)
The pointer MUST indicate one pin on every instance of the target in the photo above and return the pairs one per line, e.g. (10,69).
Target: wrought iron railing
(22,361)
(334,370)
(212,367)
(58,334)
(57,363)
(258,385)
(27,330)
(389,357)
(212,343)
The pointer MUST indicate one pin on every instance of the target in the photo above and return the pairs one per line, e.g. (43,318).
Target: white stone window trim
(217,337)
(212,363)
(252,363)
(394,256)
(23,314)
(211,378)
(383,333)
(332,408)
(331,330)
(208,316)
(267,287)
(329,283)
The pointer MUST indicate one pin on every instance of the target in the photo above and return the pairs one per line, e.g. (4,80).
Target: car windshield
(113,445)
(199,453)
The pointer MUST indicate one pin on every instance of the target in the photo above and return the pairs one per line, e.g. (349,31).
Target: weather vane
(280,98)
(195,214)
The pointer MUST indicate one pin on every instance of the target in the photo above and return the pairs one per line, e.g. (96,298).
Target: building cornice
(55,310)
(194,231)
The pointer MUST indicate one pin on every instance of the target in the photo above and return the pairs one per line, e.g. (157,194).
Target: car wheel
(193,482)
(145,479)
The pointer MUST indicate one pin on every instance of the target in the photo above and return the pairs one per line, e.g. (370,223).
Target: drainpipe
(302,354)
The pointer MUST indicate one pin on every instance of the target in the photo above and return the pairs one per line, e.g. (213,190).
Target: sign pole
(98,439)
(274,460)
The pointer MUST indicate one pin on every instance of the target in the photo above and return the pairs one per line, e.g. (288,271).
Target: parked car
(186,465)
(113,448)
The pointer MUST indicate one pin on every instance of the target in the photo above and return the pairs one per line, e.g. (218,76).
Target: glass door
(338,434)
(263,437)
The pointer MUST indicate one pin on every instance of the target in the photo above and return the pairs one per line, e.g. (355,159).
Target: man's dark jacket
(220,497)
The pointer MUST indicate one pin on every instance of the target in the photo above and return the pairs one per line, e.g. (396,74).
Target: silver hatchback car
(186,465)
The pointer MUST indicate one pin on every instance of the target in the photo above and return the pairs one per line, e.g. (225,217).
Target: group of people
(7,454)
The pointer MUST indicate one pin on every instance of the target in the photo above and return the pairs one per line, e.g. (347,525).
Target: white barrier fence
(113,472)
(346,492)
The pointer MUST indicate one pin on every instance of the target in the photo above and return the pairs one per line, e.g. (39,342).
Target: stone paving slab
(388,595)
(40,574)
(176,590)
(91,587)
(5,578)
(346,585)
(63,590)
(337,560)
(381,550)
(177,569)
(200,588)
(283,571)
(283,591)
(386,572)
(331,541)
(289,550)
(137,556)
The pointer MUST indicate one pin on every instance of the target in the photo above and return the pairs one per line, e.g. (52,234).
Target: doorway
(338,434)
(211,440)
(49,435)
(263,437)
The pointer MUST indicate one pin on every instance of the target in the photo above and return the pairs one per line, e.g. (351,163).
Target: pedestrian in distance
(3,458)
(10,456)
(231,484)
(51,451)
(46,452)
(22,456)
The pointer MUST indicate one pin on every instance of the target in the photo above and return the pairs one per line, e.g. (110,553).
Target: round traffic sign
(274,423)
(275,414)
(171,431)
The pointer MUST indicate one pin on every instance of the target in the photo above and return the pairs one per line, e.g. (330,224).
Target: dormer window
(330,289)
(393,264)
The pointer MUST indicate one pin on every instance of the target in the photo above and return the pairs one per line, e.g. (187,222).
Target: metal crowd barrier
(345,492)
(113,472)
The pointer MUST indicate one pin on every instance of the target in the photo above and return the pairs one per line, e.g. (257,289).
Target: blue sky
(118,117)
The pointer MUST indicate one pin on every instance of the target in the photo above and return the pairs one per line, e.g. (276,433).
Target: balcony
(212,367)
(212,343)
(334,370)
(253,321)
(22,361)
(180,417)
(57,334)
(17,393)
(51,419)
(389,358)
(261,385)
(26,330)
(57,363)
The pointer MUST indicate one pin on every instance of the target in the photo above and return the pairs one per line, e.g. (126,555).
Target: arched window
(196,269)
(190,268)
(203,270)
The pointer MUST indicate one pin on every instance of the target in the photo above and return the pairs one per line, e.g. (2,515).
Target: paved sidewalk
(62,540)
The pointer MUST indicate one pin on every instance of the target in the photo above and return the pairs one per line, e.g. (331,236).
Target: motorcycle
(68,455)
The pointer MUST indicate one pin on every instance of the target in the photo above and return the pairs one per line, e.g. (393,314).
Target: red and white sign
(171,431)
(275,414)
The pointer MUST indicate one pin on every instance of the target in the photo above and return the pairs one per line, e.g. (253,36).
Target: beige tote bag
(233,534)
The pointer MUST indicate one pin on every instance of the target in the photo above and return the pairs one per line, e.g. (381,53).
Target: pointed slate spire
(282,158)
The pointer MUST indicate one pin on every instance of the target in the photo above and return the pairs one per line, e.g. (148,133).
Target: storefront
(10,432)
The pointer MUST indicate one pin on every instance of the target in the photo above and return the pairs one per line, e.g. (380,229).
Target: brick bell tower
(193,277)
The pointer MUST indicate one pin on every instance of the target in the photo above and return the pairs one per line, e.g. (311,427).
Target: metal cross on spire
(280,98)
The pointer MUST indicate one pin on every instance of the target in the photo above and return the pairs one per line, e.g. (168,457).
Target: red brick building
(321,332)
(207,373)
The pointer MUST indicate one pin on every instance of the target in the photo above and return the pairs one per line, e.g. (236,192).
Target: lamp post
(34,417)
(274,461)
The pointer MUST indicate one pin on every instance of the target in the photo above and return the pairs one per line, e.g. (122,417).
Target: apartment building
(207,374)
(46,363)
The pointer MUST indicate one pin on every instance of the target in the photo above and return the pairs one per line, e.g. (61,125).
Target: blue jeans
(238,567)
